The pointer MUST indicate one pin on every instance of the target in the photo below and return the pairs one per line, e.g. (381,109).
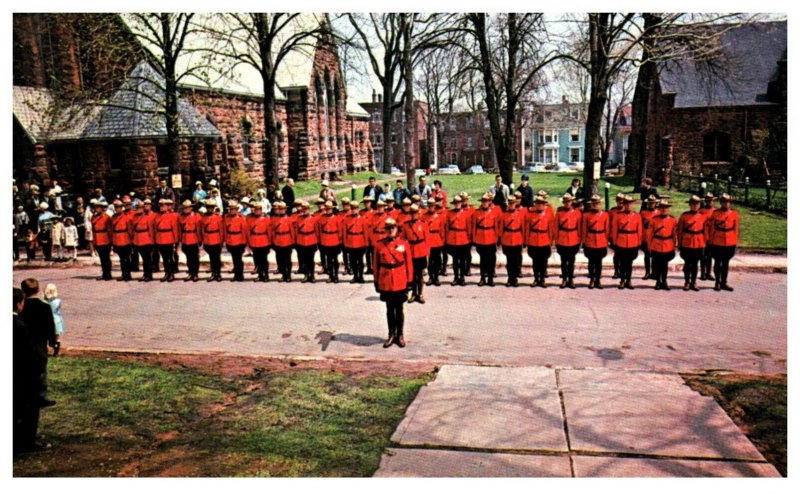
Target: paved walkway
(476,421)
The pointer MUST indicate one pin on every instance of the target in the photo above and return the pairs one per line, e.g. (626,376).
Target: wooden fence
(769,196)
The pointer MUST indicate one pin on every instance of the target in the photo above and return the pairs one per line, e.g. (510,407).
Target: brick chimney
(380,98)
(374,96)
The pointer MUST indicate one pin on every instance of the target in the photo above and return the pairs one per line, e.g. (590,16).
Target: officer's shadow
(325,338)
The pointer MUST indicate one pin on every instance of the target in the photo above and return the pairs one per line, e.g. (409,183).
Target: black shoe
(563,283)
(686,287)
(703,277)
(628,285)
(461,282)
(716,286)
(693,287)
(621,285)
(482,282)
(597,284)
(44,403)
(726,287)
(490,282)
(571,283)
(591,284)
(646,276)
(454,283)
(711,277)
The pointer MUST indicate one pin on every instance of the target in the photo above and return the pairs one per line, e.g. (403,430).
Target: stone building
(422,145)
(714,124)
(62,62)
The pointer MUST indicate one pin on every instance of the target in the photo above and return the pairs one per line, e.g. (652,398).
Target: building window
(548,115)
(574,135)
(453,143)
(451,124)
(548,136)
(575,114)
(376,117)
(486,142)
(716,147)
(115,156)
(469,142)
(394,138)
(469,121)
(453,158)
(247,134)
(486,123)
(574,155)
(209,148)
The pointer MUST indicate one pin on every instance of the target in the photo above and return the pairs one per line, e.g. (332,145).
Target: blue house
(556,134)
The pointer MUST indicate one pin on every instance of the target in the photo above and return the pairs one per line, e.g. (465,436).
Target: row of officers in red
(433,233)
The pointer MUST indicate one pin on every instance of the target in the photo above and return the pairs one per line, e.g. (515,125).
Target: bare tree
(381,36)
(166,35)
(263,41)
(510,52)
(619,96)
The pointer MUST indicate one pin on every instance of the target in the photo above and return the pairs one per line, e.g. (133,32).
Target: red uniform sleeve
(409,264)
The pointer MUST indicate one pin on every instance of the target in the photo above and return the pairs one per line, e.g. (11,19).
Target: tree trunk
(387,116)
(592,152)
(270,162)
(171,97)
(409,122)
(636,163)
(598,97)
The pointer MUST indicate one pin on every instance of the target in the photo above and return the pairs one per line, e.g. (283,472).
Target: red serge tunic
(647,216)
(213,232)
(305,231)
(511,228)
(377,229)
(539,229)
(596,227)
(144,229)
(568,227)
(416,234)
(692,230)
(122,226)
(167,229)
(626,230)
(101,227)
(457,228)
(356,229)
(235,230)
(485,225)
(259,234)
(663,234)
(435,222)
(393,266)
(330,230)
(282,232)
(723,228)
(190,228)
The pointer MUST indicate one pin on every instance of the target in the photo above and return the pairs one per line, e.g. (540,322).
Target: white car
(396,171)
(450,170)
(419,172)
(577,165)
(475,170)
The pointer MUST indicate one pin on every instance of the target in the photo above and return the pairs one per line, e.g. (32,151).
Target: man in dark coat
(28,361)
(287,194)
(164,192)
(575,189)
(527,192)
(38,317)
(372,190)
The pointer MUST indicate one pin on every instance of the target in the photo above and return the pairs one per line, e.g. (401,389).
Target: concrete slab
(673,425)
(595,466)
(484,376)
(401,462)
(488,418)
(622,380)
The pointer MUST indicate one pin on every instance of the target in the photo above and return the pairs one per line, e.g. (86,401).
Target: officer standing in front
(723,235)
(394,272)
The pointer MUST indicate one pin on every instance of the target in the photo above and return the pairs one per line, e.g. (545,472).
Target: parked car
(475,170)
(450,170)
(396,171)
(577,165)
(419,172)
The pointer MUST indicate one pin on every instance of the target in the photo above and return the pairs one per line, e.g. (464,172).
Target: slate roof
(750,52)
(132,112)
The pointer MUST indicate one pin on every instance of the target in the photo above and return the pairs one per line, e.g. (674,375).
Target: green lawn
(312,187)
(122,418)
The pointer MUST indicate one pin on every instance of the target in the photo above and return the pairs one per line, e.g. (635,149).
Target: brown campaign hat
(663,203)
(431,200)
(367,199)
(354,204)
(256,205)
(710,197)
(279,205)
(187,203)
(693,200)
(540,199)
(457,198)
(328,204)
(389,199)
(567,197)
(595,199)
(319,200)
(390,222)
(380,203)
(345,200)
(486,197)
(406,201)
(651,199)
(168,201)
(416,198)
(543,193)
(725,197)
(147,201)
(628,199)
(414,208)
(117,202)
(619,197)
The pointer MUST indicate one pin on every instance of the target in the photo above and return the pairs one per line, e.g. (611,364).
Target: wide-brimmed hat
(406,201)
(540,200)
(567,197)
(390,222)
(628,199)
(595,199)
(709,197)
(694,200)
(414,208)
(663,203)
(725,197)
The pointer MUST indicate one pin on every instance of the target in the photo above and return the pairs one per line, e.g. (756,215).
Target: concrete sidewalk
(758,263)
(476,421)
